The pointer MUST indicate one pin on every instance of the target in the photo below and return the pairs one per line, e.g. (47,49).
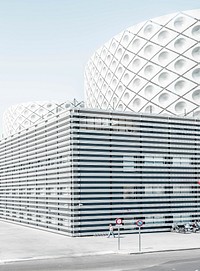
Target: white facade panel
(151,67)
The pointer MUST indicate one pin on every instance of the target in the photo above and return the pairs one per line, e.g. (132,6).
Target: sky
(45,44)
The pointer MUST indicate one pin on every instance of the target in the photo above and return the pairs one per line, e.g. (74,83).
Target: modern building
(131,153)
(152,67)
(78,171)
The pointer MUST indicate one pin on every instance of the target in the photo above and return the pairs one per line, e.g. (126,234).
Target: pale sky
(45,44)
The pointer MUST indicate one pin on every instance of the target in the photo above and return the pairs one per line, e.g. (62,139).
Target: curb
(163,250)
(2,262)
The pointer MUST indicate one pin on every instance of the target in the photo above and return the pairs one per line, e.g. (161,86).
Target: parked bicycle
(186,228)
(196,227)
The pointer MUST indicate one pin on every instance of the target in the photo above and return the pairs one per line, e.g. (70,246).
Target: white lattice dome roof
(22,116)
(150,67)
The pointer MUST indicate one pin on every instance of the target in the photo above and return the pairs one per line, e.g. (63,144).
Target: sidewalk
(23,243)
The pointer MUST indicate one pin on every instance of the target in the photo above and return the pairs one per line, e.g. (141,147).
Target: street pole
(139,239)
(118,237)
(139,223)
(119,222)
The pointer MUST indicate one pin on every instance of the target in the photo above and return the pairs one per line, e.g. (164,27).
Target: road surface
(164,261)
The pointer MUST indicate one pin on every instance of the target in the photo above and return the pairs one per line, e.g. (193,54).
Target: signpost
(139,223)
(119,222)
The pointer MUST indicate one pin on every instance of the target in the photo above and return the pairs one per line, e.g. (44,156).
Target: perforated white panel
(151,67)
(22,116)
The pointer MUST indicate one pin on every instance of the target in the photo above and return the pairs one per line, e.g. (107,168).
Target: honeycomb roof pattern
(151,67)
(22,116)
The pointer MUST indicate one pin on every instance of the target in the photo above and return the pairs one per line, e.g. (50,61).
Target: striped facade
(35,176)
(80,170)
(135,166)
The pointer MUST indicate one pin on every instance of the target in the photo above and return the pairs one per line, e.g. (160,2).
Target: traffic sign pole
(118,237)
(139,223)
(139,239)
(119,222)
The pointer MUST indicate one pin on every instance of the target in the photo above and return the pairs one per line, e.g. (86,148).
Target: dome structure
(152,67)
(22,116)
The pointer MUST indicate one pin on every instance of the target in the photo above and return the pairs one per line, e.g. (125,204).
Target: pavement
(21,243)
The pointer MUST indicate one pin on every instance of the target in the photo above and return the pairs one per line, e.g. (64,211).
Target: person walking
(111,231)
